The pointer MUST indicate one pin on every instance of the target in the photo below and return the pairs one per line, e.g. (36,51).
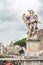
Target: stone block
(33,45)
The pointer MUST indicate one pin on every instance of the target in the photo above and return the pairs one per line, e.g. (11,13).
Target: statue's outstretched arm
(24,17)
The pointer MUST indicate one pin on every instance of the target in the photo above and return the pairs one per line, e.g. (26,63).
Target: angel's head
(31,11)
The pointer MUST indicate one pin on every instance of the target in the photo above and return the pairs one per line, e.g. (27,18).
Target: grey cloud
(9,26)
(41,1)
(40,12)
(3,30)
(6,14)
(21,26)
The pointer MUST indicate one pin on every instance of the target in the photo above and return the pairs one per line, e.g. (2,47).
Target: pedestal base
(33,45)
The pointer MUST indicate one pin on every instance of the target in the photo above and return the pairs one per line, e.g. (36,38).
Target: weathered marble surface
(33,54)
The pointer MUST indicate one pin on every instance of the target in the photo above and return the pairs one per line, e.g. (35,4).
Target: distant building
(14,49)
(1,48)
(11,43)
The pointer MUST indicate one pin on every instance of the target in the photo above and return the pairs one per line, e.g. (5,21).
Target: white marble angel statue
(31,21)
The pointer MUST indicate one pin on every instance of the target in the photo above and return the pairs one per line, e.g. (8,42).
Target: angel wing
(26,20)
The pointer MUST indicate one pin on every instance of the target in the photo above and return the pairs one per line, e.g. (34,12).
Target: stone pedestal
(33,45)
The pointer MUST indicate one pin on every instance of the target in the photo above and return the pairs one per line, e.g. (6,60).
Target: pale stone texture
(33,45)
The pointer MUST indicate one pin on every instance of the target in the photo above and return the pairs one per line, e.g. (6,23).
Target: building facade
(1,48)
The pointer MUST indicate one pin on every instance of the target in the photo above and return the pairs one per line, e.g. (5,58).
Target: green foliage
(1,56)
(21,43)
(21,51)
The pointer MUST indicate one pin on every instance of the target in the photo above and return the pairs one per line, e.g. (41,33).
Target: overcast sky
(12,27)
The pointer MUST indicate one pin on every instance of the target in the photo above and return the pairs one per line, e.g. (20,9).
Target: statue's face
(31,12)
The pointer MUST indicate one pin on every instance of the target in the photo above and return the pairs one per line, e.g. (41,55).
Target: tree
(21,43)
(21,51)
